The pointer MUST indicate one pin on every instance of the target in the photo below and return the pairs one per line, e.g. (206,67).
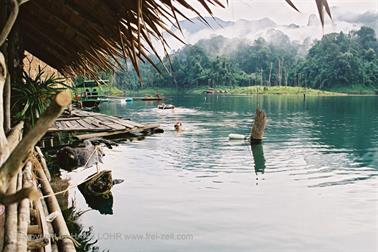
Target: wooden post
(259,125)
(65,243)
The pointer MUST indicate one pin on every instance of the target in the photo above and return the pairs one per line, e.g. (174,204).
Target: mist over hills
(195,30)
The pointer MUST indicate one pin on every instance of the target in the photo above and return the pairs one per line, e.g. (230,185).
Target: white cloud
(281,12)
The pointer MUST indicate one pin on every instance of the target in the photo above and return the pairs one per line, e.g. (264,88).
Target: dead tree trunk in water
(258,127)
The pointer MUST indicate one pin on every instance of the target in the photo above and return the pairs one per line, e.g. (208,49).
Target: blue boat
(129,99)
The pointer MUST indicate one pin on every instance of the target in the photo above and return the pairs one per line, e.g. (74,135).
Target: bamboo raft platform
(85,125)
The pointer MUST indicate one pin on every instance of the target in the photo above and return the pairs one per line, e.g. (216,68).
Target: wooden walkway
(90,124)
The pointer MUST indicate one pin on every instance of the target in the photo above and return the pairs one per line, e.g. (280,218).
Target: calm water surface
(312,185)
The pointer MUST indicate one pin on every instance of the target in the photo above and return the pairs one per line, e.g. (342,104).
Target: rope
(86,180)
(62,237)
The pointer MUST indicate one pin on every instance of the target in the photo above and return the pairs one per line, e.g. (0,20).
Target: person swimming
(178,126)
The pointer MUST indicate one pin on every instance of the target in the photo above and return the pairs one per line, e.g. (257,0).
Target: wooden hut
(74,37)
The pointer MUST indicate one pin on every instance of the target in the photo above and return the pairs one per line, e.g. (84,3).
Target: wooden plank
(68,124)
(102,134)
(114,133)
(80,113)
(64,125)
(94,122)
(59,125)
(104,121)
(79,130)
(77,125)
(67,118)
(133,123)
(90,120)
(119,122)
(85,124)
(114,126)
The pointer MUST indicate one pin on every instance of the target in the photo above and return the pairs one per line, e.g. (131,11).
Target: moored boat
(152,98)
(166,106)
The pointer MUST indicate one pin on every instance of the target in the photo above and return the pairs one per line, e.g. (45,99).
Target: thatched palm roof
(75,36)
(82,36)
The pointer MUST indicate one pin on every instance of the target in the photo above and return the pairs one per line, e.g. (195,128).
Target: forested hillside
(336,60)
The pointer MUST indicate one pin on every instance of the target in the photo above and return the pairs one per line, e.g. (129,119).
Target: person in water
(178,126)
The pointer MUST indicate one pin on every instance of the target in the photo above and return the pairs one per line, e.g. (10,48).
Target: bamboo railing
(26,225)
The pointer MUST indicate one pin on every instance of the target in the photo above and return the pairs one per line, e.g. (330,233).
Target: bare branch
(30,192)
(10,22)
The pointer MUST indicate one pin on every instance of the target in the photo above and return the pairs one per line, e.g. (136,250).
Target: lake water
(311,186)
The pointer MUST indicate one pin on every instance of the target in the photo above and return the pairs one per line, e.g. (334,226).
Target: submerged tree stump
(258,127)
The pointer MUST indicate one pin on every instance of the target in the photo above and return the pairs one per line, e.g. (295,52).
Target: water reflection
(320,155)
(103,203)
(84,236)
(96,190)
(258,157)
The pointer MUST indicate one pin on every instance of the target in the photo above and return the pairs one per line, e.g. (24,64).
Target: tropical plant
(31,97)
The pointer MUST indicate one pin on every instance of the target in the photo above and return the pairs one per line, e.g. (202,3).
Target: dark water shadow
(259,159)
(102,203)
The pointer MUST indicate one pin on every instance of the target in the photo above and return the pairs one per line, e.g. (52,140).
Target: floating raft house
(86,125)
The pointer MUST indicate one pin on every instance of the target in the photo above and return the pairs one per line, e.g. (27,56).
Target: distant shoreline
(242,91)
(254,90)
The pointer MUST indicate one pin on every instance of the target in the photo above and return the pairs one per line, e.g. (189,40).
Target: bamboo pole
(259,125)
(34,229)
(65,242)
(45,235)
(3,139)
(7,105)
(43,163)
(49,228)
(22,151)
(10,237)
(24,213)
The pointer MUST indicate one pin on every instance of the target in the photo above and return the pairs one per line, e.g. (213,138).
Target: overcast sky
(279,11)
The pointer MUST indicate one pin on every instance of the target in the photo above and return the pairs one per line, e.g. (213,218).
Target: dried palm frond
(321,4)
